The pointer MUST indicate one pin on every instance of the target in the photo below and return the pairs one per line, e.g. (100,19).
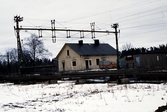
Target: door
(63,64)
(87,64)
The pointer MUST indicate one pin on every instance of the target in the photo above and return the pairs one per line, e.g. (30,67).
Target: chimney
(80,42)
(96,42)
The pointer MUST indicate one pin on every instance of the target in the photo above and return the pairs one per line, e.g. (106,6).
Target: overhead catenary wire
(117,9)
(141,33)
(144,25)
(124,18)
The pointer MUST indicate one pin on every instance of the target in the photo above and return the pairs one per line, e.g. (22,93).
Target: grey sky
(143,23)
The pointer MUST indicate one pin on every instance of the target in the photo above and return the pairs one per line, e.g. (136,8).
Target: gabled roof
(92,49)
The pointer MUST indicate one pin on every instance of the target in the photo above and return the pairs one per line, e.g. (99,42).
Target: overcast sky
(143,23)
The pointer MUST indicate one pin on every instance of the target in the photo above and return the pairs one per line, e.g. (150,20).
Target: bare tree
(12,54)
(127,46)
(36,48)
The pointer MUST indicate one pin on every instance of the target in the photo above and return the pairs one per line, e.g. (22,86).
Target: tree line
(34,53)
(128,49)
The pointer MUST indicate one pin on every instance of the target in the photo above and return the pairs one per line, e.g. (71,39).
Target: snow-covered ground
(68,97)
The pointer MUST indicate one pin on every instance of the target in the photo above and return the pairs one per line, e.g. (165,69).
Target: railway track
(114,75)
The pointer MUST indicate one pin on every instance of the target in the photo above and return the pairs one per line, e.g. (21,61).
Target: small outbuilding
(150,60)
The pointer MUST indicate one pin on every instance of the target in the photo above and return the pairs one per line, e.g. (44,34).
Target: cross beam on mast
(67,30)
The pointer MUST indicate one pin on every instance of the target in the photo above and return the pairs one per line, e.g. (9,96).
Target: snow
(69,97)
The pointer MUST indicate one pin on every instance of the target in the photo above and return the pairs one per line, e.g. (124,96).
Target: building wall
(153,60)
(94,64)
(146,61)
(70,60)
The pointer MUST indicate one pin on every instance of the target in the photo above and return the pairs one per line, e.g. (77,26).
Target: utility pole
(115,26)
(18,19)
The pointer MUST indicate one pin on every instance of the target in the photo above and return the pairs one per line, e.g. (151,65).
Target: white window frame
(75,63)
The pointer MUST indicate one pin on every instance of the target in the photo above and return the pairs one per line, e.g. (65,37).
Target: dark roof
(92,49)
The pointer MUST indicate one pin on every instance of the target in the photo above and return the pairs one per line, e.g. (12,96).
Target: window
(68,53)
(103,58)
(129,57)
(157,58)
(74,63)
(97,61)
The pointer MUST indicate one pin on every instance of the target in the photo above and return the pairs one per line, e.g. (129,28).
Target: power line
(144,32)
(123,19)
(143,16)
(146,25)
(117,9)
